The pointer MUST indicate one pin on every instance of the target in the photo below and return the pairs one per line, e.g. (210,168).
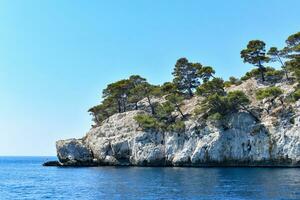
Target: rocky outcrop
(275,141)
(73,152)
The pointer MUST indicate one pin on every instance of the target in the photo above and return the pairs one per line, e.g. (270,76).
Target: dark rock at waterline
(52,163)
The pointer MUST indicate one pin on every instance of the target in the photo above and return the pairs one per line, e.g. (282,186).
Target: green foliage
(274,53)
(119,91)
(270,73)
(168,88)
(164,112)
(217,107)
(147,122)
(238,98)
(293,54)
(205,73)
(296,95)
(293,46)
(293,40)
(255,54)
(163,120)
(232,81)
(177,126)
(103,110)
(215,104)
(186,75)
(215,86)
(124,95)
(176,101)
(293,65)
(275,75)
(269,92)
(215,117)
(252,73)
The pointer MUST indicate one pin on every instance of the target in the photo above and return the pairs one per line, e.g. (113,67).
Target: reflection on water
(26,178)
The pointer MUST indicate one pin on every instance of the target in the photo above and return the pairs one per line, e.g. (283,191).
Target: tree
(163,120)
(276,55)
(232,81)
(119,91)
(205,73)
(271,93)
(147,122)
(125,92)
(239,100)
(217,106)
(135,96)
(293,46)
(134,90)
(103,110)
(293,53)
(164,113)
(186,76)
(135,80)
(269,72)
(215,86)
(176,101)
(147,90)
(255,54)
(169,88)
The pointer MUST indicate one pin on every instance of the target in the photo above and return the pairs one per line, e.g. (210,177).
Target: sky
(57,56)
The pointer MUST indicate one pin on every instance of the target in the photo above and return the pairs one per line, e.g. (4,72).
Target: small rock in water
(52,163)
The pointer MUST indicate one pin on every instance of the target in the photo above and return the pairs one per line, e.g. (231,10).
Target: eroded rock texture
(275,141)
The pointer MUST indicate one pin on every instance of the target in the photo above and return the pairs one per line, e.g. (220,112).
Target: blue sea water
(26,178)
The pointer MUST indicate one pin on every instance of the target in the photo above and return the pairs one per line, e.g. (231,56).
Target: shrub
(269,92)
(270,73)
(147,122)
(163,120)
(216,107)
(238,99)
(178,126)
(103,110)
(253,73)
(215,116)
(215,86)
(296,95)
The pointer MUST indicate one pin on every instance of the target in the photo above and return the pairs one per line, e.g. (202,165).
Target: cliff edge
(274,140)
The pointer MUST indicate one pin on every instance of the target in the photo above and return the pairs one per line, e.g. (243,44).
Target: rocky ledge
(274,141)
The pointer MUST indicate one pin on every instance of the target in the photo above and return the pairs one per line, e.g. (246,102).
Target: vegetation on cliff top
(196,79)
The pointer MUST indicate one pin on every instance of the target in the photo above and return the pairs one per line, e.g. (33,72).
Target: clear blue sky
(57,56)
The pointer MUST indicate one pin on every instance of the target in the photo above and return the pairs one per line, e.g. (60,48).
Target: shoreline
(204,165)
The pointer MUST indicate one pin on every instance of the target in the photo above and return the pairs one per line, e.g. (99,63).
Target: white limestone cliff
(275,141)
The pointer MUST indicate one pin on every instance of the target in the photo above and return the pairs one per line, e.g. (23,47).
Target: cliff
(244,141)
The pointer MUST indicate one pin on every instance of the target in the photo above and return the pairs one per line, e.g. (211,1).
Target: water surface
(25,178)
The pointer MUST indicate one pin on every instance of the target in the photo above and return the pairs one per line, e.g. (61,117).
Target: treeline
(195,79)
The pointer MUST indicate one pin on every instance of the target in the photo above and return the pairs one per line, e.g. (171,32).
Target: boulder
(73,152)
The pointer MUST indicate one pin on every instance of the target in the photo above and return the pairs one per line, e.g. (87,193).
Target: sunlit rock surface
(275,141)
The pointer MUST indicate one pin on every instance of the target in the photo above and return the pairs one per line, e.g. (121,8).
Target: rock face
(73,152)
(275,141)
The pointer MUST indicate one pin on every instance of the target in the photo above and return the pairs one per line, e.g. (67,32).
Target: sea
(26,178)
